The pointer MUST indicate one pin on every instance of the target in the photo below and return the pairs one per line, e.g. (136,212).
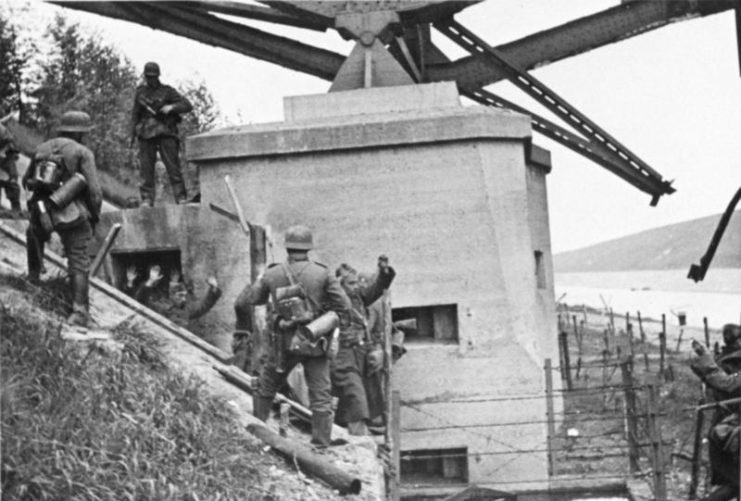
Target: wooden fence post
(697,451)
(640,328)
(662,346)
(566,360)
(707,331)
(626,368)
(657,449)
(395,476)
(550,416)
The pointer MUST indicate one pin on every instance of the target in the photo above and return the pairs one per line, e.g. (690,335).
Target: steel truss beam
(203,27)
(602,146)
(615,24)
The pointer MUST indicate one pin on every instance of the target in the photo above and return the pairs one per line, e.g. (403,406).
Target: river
(718,297)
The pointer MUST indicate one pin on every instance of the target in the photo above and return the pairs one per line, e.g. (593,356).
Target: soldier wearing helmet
(321,292)
(66,198)
(154,118)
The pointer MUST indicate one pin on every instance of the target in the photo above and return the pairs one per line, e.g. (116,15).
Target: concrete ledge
(359,131)
(371,101)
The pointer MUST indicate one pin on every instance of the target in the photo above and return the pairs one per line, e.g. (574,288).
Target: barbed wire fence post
(657,449)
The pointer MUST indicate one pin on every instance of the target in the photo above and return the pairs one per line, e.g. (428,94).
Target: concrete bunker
(456,196)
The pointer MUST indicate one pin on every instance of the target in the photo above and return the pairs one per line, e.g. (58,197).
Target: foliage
(81,423)
(81,71)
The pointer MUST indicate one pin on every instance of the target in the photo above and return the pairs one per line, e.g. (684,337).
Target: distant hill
(667,247)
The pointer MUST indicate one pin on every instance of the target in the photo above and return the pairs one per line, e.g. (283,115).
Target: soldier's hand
(131,275)
(167,108)
(155,275)
(383,262)
(212,282)
(698,348)
(375,361)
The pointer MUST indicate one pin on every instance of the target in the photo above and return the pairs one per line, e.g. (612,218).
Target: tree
(14,58)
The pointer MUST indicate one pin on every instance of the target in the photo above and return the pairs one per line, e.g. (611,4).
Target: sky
(672,96)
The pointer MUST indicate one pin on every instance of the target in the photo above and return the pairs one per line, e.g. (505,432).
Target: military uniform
(324,293)
(75,234)
(156,131)
(723,378)
(181,314)
(8,168)
(349,366)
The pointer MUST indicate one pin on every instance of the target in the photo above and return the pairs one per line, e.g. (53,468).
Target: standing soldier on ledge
(156,113)
(66,199)
(304,293)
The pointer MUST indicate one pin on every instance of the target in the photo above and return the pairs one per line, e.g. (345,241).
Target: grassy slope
(668,247)
(79,422)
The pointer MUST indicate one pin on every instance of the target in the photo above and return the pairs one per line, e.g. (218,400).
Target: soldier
(8,169)
(67,199)
(176,305)
(358,354)
(155,115)
(723,379)
(301,290)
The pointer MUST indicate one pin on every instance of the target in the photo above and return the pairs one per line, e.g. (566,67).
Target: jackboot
(261,407)
(34,258)
(80,300)
(357,428)
(321,429)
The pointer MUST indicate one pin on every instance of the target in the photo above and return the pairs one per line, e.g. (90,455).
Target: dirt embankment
(220,460)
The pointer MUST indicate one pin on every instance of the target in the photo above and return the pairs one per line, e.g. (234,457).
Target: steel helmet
(152,69)
(75,121)
(299,238)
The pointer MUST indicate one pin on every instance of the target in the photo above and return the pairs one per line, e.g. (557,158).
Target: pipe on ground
(310,463)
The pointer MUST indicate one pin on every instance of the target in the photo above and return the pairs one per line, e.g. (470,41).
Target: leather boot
(261,407)
(34,257)
(357,428)
(80,300)
(321,429)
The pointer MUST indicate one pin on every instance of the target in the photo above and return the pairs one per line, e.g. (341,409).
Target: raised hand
(155,275)
(212,282)
(131,275)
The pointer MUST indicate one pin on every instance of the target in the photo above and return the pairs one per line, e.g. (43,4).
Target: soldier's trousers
(169,148)
(12,193)
(316,371)
(347,371)
(76,242)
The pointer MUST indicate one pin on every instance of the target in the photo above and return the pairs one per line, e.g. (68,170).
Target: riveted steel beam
(206,28)
(576,37)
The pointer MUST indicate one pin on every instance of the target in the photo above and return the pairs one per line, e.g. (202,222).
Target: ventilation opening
(435,466)
(168,260)
(428,323)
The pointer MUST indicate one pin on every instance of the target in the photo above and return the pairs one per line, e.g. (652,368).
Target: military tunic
(168,307)
(349,366)
(325,294)
(157,131)
(724,379)
(77,236)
